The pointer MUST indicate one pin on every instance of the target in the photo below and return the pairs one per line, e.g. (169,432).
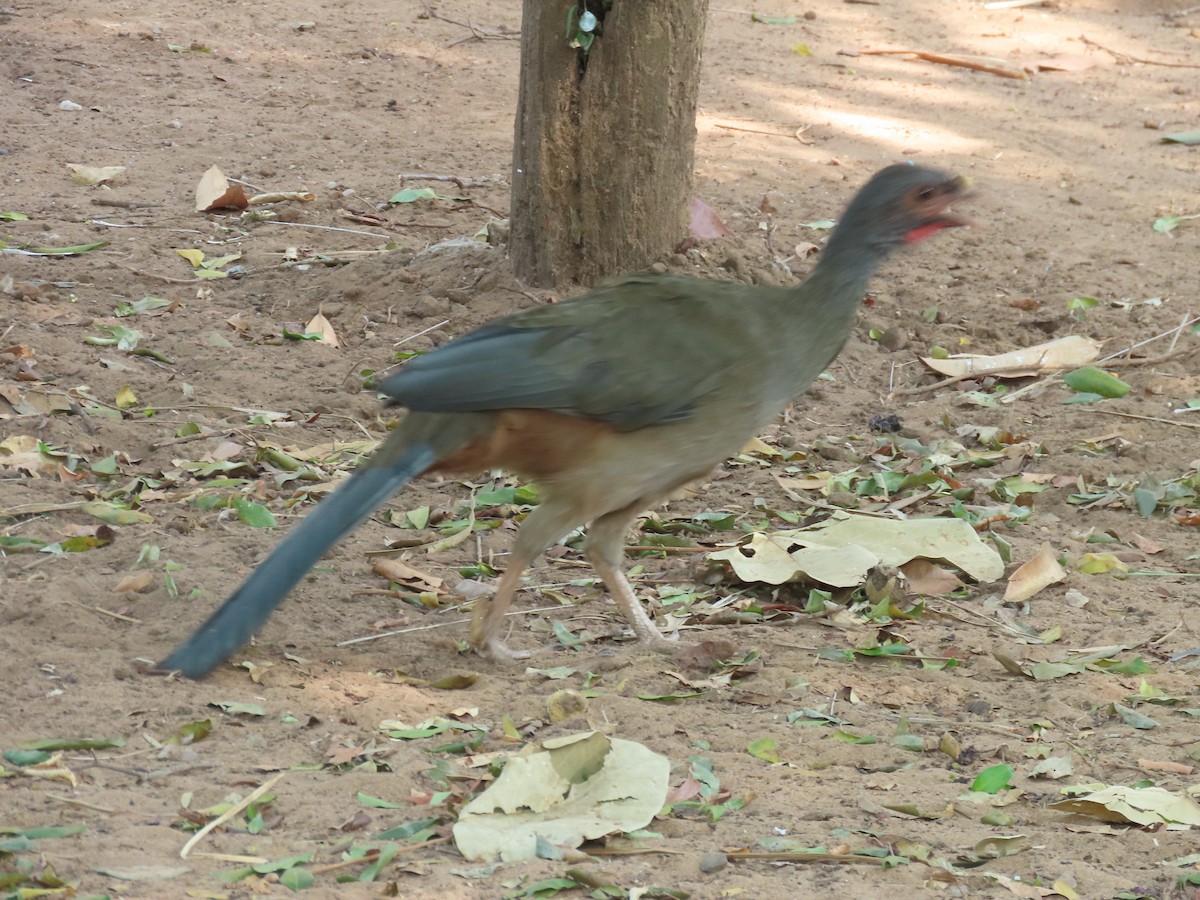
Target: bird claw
(498,651)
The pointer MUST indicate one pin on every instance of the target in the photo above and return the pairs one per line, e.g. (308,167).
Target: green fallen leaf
(115,336)
(53,251)
(411,195)
(993,779)
(1146,502)
(764,749)
(74,744)
(378,803)
(911,742)
(289,335)
(1133,718)
(254,514)
(1078,306)
(772,20)
(850,738)
(24,758)
(146,304)
(414,832)
(1181,137)
(1091,380)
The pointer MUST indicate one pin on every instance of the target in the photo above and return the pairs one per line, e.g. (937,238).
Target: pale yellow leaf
(126,398)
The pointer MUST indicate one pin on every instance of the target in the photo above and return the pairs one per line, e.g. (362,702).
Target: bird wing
(639,351)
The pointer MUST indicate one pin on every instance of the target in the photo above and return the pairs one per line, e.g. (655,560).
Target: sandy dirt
(349,101)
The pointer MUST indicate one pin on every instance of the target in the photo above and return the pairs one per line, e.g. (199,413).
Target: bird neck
(843,272)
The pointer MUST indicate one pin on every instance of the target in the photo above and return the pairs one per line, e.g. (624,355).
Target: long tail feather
(248,608)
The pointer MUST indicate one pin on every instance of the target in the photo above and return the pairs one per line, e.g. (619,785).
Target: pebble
(714,861)
(69,106)
(895,338)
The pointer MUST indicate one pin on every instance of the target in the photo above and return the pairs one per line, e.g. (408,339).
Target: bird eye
(925,194)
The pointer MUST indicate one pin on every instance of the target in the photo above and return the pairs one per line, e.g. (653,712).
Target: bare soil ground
(345,101)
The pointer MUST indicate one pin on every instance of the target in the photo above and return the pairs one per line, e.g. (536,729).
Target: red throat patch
(919,234)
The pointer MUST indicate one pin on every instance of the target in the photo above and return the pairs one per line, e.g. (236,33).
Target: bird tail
(406,454)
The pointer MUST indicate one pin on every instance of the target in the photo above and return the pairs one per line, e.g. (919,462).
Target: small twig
(638,548)
(1118,55)
(988,621)
(252,187)
(77,802)
(960,61)
(421,332)
(373,855)
(188,438)
(374,234)
(384,634)
(142,273)
(1012,4)
(477,34)
(115,615)
(950,724)
(123,204)
(141,225)
(955,379)
(88,425)
(801,856)
(1125,415)
(1179,331)
(457,179)
(228,814)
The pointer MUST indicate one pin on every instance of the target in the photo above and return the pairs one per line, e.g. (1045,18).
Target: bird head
(902,204)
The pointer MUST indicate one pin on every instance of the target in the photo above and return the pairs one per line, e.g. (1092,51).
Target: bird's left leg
(545,525)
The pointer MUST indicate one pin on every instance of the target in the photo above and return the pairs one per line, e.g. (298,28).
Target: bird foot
(498,651)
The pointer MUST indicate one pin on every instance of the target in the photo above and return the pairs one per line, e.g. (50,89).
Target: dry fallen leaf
(1145,544)
(1063,353)
(1040,572)
(929,580)
(135,583)
(318,324)
(215,192)
(280,196)
(705,223)
(94,174)
(404,574)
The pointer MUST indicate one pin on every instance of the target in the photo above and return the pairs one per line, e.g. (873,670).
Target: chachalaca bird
(609,401)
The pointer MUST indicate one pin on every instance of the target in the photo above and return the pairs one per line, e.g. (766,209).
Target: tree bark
(605,140)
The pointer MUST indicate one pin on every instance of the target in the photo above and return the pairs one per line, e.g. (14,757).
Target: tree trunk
(605,138)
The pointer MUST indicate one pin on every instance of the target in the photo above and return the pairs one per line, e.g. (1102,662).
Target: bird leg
(546,524)
(605,551)
(487,620)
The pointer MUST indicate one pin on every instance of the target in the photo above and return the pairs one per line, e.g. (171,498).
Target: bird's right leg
(606,553)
